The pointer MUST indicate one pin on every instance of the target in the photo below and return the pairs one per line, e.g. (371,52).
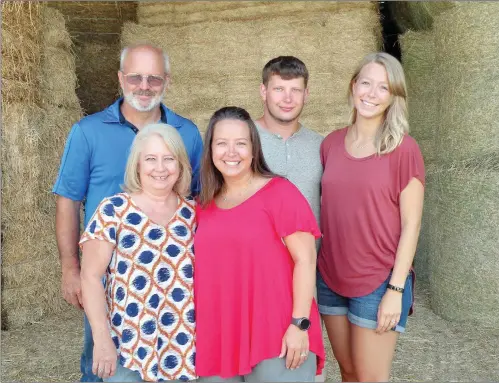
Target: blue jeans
(362,311)
(86,359)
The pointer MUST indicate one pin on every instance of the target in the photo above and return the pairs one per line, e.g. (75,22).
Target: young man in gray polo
(290,149)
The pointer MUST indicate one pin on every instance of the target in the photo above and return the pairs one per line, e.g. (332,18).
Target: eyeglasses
(136,79)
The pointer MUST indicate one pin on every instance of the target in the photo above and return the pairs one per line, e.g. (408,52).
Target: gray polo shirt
(298,159)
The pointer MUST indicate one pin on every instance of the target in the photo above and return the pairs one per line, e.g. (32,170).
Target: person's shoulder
(334,137)
(177,120)
(408,144)
(189,201)
(95,120)
(312,136)
(336,134)
(117,200)
(281,186)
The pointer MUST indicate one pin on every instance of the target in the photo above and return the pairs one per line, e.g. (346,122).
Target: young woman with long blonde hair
(372,202)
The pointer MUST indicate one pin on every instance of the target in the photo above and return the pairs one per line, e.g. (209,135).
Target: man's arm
(67,228)
(71,187)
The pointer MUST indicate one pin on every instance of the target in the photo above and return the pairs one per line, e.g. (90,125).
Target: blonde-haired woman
(372,201)
(141,240)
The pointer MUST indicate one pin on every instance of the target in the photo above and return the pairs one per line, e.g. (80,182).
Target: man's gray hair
(125,50)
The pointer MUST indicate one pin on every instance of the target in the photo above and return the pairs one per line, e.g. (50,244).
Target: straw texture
(219,62)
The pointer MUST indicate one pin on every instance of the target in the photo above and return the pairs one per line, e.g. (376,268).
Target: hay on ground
(464,259)
(466,42)
(418,59)
(229,57)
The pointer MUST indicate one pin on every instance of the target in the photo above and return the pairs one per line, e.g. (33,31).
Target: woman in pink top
(255,264)
(372,201)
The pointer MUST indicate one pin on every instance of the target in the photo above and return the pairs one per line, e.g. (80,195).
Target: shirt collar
(123,120)
(295,134)
(113,114)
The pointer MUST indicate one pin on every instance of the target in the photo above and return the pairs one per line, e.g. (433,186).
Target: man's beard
(131,99)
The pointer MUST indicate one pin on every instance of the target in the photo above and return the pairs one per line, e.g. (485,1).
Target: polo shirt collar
(114,115)
(295,134)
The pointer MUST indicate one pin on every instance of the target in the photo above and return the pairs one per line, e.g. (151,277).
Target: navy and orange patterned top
(149,287)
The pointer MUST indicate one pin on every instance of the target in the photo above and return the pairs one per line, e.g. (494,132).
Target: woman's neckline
(271,180)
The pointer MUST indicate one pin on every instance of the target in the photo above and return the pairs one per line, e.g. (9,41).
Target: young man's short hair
(287,67)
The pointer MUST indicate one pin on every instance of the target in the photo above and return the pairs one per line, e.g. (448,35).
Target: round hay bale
(464,260)
(466,42)
(418,59)
(416,15)
(231,55)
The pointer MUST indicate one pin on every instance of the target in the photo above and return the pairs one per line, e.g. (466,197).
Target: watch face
(305,324)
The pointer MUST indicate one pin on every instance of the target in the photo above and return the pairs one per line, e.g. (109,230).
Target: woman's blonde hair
(395,124)
(174,143)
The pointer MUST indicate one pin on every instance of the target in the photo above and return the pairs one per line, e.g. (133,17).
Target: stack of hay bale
(22,120)
(463,237)
(95,28)
(218,50)
(35,125)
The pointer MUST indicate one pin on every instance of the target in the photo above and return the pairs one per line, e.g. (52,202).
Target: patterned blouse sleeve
(103,225)
(291,211)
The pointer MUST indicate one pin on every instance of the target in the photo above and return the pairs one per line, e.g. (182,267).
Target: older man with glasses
(94,159)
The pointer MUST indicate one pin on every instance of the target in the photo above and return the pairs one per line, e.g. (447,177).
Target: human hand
(295,346)
(105,357)
(71,287)
(389,311)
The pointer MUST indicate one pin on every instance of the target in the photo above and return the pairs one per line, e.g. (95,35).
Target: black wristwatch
(302,323)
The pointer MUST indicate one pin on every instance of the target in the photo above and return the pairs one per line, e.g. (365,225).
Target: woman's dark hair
(211,179)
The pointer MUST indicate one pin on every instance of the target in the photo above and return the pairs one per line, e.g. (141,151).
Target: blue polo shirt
(96,152)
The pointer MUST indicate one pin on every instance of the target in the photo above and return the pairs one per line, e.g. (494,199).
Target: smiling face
(159,170)
(284,99)
(370,92)
(232,148)
(143,61)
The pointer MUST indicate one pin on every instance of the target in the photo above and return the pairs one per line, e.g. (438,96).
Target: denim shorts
(362,311)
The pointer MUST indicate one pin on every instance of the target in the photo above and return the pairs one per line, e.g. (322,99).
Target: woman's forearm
(405,254)
(94,303)
(303,287)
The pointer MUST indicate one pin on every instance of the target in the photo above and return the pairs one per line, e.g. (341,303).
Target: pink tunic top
(360,213)
(243,280)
